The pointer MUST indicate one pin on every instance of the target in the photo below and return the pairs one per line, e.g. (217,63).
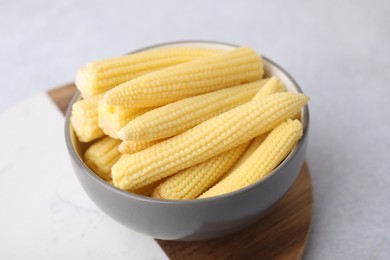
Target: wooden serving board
(282,234)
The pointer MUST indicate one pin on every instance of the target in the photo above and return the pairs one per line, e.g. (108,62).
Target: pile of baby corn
(184,123)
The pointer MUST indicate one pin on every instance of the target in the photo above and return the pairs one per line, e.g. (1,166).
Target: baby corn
(252,147)
(212,137)
(191,182)
(189,79)
(147,190)
(177,117)
(84,119)
(128,147)
(111,119)
(270,153)
(102,155)
(99,76)
(272,86)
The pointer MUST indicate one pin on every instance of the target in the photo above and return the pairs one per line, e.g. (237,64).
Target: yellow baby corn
(270,153)
(99,76)
(212,137)
(84,119)
(297,116)
(148,190)
(192,182)
(203,75)
(177,117)
(128,147)
(252,147)
(272,86)
(111,119)
(102,155)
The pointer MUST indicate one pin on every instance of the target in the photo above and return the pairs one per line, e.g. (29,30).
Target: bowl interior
(77,148)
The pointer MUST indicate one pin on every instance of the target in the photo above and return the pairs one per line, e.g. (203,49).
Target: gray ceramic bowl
(193,219)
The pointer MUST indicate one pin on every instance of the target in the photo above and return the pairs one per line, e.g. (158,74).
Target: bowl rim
(77,159)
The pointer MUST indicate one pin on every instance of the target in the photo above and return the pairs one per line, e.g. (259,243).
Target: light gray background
(337,50)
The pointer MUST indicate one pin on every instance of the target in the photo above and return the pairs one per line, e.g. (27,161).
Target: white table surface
(337,50)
